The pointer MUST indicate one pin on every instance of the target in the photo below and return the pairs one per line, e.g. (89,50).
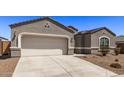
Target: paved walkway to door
(58,66)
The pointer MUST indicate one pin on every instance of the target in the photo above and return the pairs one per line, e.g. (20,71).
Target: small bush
(116,60)
(84,56)
(104,51)
(115,65)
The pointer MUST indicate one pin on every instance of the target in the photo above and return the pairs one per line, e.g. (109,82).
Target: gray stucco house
(45,36)
(90,41)
(42,36)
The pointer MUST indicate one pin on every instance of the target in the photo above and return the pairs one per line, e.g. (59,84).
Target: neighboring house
(42,36)
(4,45)
(120,43)
(90,41)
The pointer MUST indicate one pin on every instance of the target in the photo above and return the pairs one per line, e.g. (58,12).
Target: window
(104,41)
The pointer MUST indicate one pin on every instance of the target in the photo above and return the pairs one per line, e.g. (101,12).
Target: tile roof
(95,30)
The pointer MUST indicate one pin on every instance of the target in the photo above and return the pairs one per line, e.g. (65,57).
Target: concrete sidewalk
(58,66)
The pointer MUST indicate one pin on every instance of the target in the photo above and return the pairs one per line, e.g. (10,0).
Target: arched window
(104,42)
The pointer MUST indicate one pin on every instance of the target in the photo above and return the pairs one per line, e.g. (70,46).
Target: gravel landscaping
(111,62)
(7,66)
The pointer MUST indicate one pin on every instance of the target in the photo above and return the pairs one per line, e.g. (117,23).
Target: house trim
(104,37)
(85,47)
(90,47)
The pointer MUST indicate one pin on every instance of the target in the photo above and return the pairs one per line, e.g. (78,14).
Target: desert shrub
(116,60)
(104,51)
(115,65)
(84,56)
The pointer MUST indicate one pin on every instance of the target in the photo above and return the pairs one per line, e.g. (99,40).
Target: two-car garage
(36,45)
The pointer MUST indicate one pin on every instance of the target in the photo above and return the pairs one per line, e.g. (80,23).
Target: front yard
(7,66)
(106,61)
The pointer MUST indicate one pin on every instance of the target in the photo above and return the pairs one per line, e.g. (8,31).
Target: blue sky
(114,23)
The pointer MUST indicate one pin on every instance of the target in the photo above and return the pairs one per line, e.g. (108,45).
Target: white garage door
(43,45)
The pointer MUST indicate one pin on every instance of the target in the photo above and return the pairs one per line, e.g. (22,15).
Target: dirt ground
(7,66)
(105,61)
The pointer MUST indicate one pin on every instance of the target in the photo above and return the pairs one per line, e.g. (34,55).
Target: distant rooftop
(3,38)
(120,38)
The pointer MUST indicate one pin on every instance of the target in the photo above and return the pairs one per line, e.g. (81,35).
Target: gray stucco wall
(89,43)
(39,27)
(95,40)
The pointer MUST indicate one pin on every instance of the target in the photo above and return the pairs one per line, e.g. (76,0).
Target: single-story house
(42,36)
(45,36)
(90,41)
(4,45)
(120,43)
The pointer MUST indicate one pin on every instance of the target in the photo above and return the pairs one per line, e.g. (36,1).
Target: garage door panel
(42,45)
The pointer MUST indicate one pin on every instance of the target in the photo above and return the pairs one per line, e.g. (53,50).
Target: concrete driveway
(58,66)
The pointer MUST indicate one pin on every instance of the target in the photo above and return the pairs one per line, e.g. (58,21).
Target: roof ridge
(94,28)
(27,21)
(98,28)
